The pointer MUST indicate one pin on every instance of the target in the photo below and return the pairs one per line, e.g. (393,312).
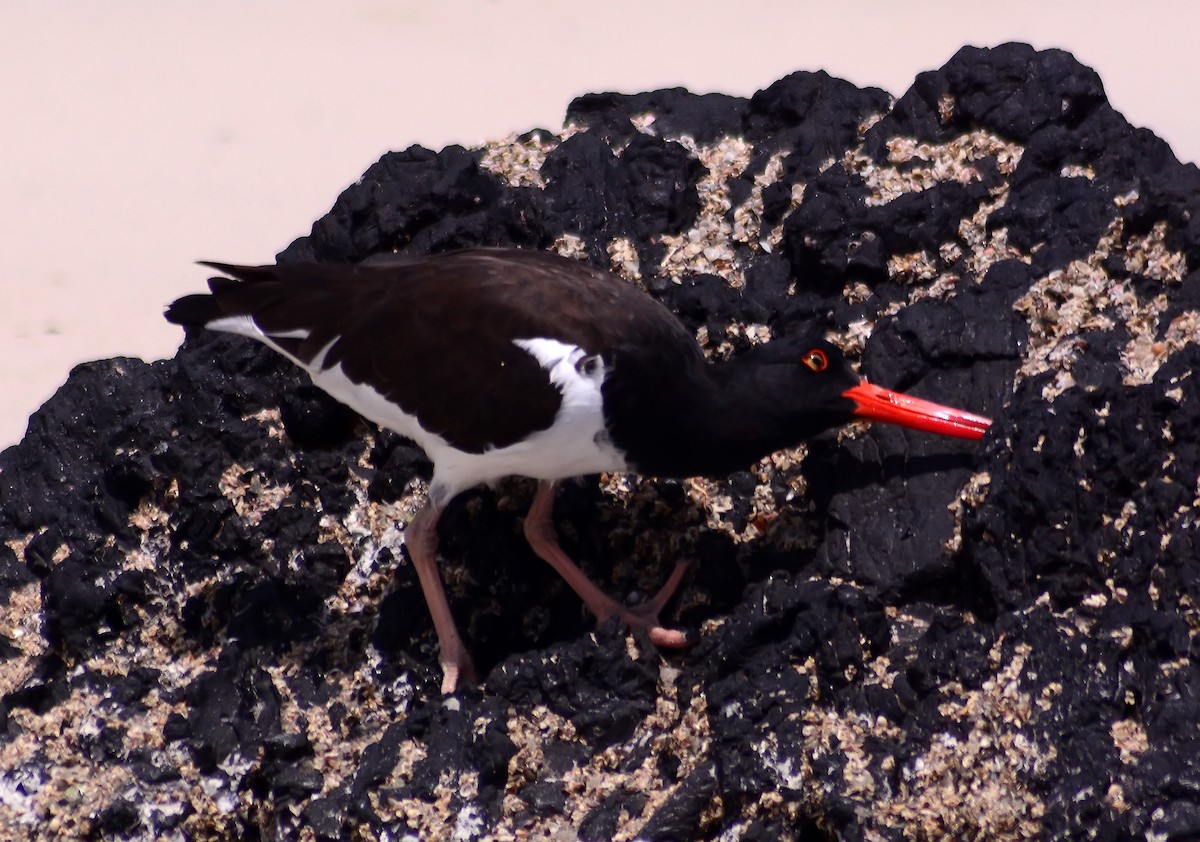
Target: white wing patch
(576,375)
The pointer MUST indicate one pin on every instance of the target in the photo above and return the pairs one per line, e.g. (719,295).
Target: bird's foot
(645,616)
(457,669)
(539,531)
(660,635)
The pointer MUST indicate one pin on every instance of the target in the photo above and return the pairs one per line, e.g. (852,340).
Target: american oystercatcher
(502,362)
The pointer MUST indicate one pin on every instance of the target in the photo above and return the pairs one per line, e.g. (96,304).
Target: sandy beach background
(142,136)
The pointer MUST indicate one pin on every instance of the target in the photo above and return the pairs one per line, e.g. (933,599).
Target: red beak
(872,403)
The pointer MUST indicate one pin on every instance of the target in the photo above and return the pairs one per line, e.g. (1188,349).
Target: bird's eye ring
(816,360)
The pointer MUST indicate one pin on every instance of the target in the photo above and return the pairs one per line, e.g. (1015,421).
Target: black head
(721,417)
(815,385)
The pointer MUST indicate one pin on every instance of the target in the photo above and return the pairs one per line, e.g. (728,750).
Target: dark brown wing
(435,335)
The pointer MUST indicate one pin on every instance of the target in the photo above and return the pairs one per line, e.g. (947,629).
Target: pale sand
(143,136)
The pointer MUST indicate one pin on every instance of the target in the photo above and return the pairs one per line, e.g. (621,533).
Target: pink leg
(420,536)
(539,532)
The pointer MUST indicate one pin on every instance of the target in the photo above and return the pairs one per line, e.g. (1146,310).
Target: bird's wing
(436,335)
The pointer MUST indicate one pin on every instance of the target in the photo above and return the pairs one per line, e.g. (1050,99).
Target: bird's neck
(724,419)
(744,416)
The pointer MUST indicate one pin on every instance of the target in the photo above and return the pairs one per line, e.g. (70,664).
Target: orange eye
(816,360)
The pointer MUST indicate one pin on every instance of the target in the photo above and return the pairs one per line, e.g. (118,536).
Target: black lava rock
(210,628)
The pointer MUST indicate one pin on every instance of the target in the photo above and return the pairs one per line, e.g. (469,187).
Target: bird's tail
(193,310)
(222,300)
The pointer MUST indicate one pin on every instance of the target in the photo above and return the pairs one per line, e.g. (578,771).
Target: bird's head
(822,386)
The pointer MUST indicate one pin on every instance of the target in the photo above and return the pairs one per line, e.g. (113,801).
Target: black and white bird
(502,362)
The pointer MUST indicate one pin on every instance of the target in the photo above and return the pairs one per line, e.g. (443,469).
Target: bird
(519,362)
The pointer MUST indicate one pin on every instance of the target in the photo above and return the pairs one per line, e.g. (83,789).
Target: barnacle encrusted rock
(209,629)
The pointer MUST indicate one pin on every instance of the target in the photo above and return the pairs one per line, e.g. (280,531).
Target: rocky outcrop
(209,629)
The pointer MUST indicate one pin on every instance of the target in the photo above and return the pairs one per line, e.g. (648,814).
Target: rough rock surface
(209,630)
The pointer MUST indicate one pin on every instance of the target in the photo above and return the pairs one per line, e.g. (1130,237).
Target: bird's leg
(539,532)
(420,536)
